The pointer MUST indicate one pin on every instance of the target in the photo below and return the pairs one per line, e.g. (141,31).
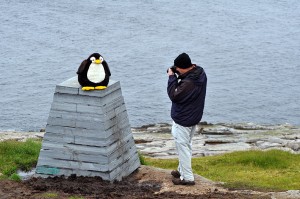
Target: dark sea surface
(250,50)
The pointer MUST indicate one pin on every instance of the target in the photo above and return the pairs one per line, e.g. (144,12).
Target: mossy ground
(272,170)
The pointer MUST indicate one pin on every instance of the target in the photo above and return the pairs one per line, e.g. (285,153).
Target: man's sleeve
(179,92)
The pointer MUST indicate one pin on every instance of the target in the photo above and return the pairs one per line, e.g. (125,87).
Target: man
(187,90)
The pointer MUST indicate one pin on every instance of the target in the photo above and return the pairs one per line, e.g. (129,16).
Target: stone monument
(88,134)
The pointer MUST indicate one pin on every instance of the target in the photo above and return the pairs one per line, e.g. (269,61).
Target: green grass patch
(48,195)
(54,195)
(76,197)
(142,159)
(16,155)
(15,177)
(260,170)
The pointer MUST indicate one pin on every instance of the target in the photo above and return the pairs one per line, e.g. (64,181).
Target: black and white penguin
(93,73)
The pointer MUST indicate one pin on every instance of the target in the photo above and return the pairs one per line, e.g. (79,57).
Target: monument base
(88,134)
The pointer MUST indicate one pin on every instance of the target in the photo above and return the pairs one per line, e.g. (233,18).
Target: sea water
(249,49)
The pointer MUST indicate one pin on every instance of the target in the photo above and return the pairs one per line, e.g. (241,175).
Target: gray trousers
(183,142)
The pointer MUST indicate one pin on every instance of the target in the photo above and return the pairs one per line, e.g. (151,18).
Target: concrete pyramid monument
(88,134)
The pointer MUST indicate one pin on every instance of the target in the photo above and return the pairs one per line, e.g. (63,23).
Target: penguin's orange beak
(98,61)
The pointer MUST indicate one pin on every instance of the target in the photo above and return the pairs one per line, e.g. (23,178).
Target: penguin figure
(93,73)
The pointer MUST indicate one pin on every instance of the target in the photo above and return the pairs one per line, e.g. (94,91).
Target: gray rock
(251,126)
(295,145)
(277,140)
(252,140)
(218,141)
(218,131)
(229,147)
(267,145)
(291,194)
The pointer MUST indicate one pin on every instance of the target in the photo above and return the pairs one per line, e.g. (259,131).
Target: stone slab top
(72,86)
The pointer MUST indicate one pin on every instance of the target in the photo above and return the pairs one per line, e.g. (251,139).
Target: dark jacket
(187,93)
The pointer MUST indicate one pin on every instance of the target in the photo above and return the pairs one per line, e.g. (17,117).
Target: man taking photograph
(186,89)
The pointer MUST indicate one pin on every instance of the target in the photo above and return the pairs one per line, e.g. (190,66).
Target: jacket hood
(197,75)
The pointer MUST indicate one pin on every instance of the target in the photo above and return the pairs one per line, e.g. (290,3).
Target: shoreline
(155,140)
(213,139)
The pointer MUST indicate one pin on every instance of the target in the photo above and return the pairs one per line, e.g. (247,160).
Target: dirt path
(147,182)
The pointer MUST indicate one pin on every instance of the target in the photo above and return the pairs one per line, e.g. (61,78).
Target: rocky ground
(147,182)
(211,139)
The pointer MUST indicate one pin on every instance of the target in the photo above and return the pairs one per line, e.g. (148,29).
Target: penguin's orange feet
(100,87)
(88,88)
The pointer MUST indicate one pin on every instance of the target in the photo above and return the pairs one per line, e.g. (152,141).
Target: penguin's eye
(92,59)
(101,58)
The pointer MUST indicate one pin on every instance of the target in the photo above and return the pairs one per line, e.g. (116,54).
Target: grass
(272,170)
(54,195)
(15,177)
(16,155)
(49,195)
(142,159)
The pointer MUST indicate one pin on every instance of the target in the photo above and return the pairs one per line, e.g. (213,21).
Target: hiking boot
(178,181)
(175,174)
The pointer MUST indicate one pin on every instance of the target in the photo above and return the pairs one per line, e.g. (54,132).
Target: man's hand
(170,72)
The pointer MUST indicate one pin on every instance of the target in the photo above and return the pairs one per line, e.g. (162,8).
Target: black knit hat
(183,61)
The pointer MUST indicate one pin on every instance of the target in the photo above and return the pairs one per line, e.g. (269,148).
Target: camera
(173,68)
